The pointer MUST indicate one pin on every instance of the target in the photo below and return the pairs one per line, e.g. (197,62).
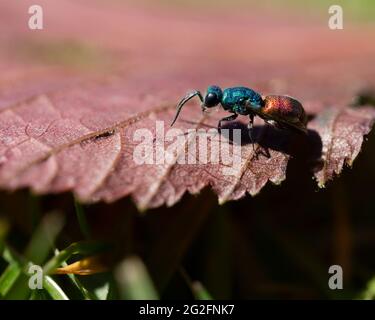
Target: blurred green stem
(82,221)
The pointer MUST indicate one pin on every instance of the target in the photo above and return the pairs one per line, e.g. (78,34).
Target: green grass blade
(200,292)
(35,210)
(43,238)
(112,290)
(4,228)
(37,250)
(12,257)
(83,248)
(369,292)
(87,295)
(39,295)
(82,221)
(196,287)
(20,289)
(8,278)
(54,289)
(102,292)
(12,272)
(134,281)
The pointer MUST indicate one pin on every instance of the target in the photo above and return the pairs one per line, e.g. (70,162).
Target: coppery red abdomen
(285,108)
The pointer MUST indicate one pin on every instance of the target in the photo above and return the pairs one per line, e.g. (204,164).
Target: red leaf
(67,122)
(342,134)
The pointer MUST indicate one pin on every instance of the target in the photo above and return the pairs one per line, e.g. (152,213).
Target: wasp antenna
(185,99)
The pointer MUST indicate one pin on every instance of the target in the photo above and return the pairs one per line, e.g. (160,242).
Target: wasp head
(213,97)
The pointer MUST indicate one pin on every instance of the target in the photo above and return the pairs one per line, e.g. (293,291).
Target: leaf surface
(68,122)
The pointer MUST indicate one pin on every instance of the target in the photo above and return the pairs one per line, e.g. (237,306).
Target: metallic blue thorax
(237,99)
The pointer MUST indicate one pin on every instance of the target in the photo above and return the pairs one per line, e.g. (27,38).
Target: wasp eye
(211,100)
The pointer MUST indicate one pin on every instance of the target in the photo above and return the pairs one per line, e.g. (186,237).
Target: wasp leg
(275,124)
(259,150)
(272,123)
(230,118)
(263,151)
(250,130)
